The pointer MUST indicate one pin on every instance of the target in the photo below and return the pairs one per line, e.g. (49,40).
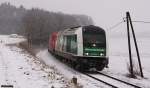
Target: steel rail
(119,80)
(113,86)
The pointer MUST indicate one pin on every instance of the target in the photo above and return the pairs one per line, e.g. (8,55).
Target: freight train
(84,47)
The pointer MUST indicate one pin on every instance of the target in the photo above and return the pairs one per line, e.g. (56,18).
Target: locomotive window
(71,45)
(93,34)
(94,38)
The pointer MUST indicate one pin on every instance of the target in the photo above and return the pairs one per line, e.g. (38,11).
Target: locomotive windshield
(94,38)
(94,41)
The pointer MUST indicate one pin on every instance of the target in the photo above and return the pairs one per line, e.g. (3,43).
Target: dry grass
(27,47)
(32,49)
(136,69)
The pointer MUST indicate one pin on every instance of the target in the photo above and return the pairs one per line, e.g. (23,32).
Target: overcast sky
(105,13)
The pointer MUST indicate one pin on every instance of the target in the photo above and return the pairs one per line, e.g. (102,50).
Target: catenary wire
(117,24)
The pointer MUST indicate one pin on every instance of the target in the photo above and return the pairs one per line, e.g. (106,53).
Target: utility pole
(129,46)
(135,42)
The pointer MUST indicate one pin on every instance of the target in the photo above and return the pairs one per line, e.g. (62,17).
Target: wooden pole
(129,46)
(136,46)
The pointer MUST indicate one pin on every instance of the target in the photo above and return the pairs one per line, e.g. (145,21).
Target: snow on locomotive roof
(88,26)
(96,28)
(72,30)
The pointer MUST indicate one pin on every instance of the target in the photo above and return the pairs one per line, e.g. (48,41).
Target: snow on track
(83,80)
(111,81)
(117,66)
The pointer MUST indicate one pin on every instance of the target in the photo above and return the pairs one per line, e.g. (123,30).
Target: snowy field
(119,50)
(119,58)
(20,69)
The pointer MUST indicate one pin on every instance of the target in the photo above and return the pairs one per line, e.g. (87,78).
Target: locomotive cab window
(71,45)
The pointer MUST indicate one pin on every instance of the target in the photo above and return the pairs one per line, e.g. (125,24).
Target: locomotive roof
(93,27)
(89,27)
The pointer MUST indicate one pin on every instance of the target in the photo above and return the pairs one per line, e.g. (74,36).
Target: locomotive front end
(94,47)
(94,42)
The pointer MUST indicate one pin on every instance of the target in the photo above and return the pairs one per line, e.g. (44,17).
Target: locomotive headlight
(94,45)
(101,54)
(86,54)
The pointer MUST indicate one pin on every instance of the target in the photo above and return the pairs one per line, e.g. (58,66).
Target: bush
(136,70)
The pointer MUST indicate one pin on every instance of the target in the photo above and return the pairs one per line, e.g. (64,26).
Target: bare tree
(39,24)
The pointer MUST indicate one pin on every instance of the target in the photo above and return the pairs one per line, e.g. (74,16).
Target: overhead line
(141,21)
(116,25)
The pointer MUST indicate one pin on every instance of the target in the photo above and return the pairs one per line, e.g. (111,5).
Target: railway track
(101,76)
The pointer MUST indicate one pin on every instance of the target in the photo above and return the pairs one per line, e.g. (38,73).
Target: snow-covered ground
(119,52)
(68,72)
(22,70)
(117,65)
(119,58)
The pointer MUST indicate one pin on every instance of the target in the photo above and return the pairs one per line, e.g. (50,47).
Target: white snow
(68,72)
(20,69)
(117,65)
(119,58)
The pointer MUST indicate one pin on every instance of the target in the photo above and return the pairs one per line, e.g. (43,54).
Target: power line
(124,20)
(116,25)
(137,21)
(141,21)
